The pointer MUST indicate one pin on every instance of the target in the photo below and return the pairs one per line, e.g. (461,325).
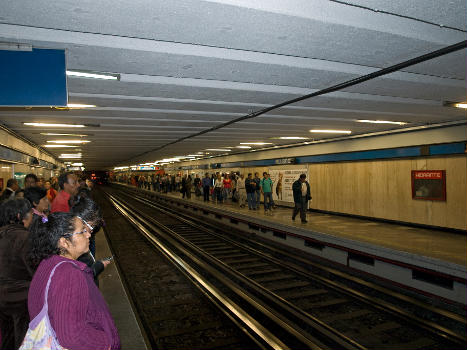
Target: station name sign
(285,161)
(429,185)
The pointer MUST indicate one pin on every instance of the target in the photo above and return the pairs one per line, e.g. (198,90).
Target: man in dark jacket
(301,196)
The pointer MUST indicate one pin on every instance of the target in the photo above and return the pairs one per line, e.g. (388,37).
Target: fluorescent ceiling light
(56,125)
(219,149)
(69,141)
(331,131)
(15,47)
(461,105)
(193,155)
(79,105)
(70,155)
(106,76)
(59,146)
(290,138)
(245,147)
(55,134)
(380,122)
(77,164)
(256,143)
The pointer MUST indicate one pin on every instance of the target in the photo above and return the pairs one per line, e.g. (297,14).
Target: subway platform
(429,261)
(111,286)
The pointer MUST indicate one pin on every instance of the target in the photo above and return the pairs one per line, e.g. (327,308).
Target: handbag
(40,334)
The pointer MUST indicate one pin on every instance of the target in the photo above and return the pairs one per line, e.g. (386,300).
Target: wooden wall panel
(382,189)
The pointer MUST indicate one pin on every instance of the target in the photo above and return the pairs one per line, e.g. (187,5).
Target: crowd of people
(48,273)
(221,187)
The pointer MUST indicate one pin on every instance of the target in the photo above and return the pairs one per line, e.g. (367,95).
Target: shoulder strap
(46,294)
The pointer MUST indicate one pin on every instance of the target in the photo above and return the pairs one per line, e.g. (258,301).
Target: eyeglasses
(87,228)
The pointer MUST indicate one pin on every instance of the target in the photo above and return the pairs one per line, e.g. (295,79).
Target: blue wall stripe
(402,152)
(363,155)
(450,148)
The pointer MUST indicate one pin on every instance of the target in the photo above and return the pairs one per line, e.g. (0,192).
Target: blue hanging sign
(33,78)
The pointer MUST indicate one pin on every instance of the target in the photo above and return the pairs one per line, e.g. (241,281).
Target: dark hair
(302,176)
(44,237)
(34,194)
(30,176)
(265,173)
(11,182)
(63,178)
(250,174)
(13,211)
(89,211)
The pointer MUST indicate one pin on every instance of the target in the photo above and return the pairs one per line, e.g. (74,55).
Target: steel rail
(324,333)
(271,340)
(382,305)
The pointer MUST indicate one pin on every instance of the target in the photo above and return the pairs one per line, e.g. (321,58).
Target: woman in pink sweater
(76,309)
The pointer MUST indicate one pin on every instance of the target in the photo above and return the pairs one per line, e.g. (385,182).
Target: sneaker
(304,221)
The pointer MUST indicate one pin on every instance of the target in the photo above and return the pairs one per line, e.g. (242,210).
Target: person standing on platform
(9,192)
(301,196)
(197,185)
(218,188)
(51,193)
(207,184)
(227,186)
(15,271)
(250,187)
(257,181)
(188,186)
(30,181)
(68,183)
(266,190)
(241,191)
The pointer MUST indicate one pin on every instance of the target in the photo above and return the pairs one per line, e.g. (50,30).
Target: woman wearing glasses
(88,211)
(76,309)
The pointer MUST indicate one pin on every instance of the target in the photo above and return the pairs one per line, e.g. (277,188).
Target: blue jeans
(251,197)
(258,197)
(268,202)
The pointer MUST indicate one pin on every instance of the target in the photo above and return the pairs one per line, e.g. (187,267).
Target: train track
(304,310)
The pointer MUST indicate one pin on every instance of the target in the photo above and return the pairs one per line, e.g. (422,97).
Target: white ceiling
(187,66)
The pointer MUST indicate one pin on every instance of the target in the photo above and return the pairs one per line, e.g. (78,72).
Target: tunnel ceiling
(186,66)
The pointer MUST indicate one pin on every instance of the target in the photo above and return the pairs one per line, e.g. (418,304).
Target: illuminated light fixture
(290,138)
(77,164)
(380,122)
(256,143)
(56,125)
(79,105)
(193,155)
(70,155)
(245,147)
(331,131)
(455,104)
(55,134)
(219,149)
(69,141)
(83,74)
(59,146)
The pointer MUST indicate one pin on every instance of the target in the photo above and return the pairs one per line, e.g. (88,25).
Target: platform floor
(114,293)
(437,244)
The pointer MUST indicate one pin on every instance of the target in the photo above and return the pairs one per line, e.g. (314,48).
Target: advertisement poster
(429,184)
(283,180)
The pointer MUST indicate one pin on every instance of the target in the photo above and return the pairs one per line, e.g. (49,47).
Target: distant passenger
(250,187)
(257,181)
(30,181)
(266,185)
(9,192)
(51,192)
(301,196)
(75,307)
(241,191)
(218,188)
(37,196)
(15,271)
(68,183)
(207,184)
